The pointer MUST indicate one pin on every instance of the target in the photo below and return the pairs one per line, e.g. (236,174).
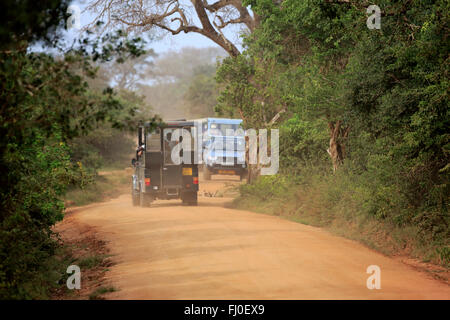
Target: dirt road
(170,251)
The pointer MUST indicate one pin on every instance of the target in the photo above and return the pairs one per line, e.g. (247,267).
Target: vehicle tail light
(147,181)
(195,180)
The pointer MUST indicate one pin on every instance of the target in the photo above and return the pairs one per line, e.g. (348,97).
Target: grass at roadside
(108,184)
(83,249)
(331,203)
(93,261)
(97,294)
(90,254)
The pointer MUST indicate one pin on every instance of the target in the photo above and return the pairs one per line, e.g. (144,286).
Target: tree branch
(169,15)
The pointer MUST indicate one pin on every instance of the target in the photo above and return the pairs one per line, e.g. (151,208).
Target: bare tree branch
(177,16)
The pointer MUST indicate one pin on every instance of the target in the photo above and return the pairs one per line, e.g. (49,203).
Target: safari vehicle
(156,174)
(224,154)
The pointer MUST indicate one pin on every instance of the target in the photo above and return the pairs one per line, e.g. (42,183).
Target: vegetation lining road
(108,185)
(376,100)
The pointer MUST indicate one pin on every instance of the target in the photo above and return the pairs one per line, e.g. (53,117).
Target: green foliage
(105,145)
(182,83)
(251,90)
(302,144)
(346,205)
(91,261)
(45,103)
(96,295)
(236,94)
(104,187)
(28,20)
(201,94)
(319,61)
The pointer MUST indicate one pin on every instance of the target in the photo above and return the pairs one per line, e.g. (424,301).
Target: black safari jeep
(158,174)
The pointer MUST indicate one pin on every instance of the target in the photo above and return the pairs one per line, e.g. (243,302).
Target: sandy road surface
(170,251)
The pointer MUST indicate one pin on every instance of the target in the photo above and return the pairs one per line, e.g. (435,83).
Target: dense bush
(45,103)
(318,61)
(106,146)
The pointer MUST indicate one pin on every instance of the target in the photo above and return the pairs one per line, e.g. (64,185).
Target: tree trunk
(338,135)
(253,170)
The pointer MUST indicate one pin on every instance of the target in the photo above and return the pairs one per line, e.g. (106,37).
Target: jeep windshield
(220,129)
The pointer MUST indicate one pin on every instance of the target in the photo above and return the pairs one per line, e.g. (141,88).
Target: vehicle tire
(184,199)
(134,195)
(189,198)
(193,201)
(206,173)
(144,200)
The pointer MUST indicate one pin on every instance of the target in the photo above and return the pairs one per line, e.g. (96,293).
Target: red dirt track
(170,251)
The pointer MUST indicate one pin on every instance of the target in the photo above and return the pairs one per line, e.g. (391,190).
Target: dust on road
(171,251)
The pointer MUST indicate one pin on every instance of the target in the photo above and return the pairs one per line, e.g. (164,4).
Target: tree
(45,102)
(201,95)
(175,73)
(208,18)
(377,99)
(126,75)
(29,20)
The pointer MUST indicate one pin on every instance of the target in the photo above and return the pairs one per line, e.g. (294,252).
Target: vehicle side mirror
(133,162)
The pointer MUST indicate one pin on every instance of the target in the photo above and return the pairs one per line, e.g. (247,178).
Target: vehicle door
(171,171)
(154,163)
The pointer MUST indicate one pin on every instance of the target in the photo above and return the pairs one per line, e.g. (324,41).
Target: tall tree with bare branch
(206,17)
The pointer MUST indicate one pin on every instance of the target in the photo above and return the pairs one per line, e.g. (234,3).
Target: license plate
(187,171)
(226,172)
